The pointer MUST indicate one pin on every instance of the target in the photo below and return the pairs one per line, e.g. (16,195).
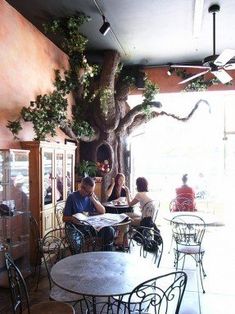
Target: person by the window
(185,197)
(142,197)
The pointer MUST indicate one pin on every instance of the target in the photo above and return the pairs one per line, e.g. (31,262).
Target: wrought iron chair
(120,230)
(59,209)
(55,247)
(152,208)
(188,232)
(159,295)
(183,203)
(147,241)
(91,240)
(35,248)
(75,238)
(20,297)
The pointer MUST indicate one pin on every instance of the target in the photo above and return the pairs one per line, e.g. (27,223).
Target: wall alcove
(104,157)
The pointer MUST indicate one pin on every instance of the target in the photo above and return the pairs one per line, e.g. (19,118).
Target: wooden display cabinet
(51,172)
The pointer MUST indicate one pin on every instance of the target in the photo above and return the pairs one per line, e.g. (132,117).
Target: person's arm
(98,206)
(128,197)
(110,188)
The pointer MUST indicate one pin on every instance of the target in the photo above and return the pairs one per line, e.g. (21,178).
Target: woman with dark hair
(142,197)
(116,188)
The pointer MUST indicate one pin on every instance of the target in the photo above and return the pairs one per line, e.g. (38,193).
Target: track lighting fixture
(105,27)
(170,71)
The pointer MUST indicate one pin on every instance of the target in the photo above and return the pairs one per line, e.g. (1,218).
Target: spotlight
(170,71)
(105,27)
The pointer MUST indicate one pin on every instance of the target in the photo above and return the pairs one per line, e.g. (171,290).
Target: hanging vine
(48,111)
(199,84)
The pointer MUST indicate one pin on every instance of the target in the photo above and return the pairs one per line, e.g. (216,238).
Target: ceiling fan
(216,64)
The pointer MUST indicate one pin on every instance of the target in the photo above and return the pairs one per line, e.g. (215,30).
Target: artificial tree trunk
(114,124)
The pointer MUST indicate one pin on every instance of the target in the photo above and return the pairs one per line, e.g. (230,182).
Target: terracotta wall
(27,63)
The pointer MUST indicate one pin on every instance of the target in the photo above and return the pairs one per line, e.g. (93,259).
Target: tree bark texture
(116,124)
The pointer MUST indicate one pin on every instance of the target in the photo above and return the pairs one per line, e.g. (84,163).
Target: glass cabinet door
(14,179)
(47,166)
(69,173)
(59,176)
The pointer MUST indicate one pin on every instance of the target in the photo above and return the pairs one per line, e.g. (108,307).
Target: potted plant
(87,168)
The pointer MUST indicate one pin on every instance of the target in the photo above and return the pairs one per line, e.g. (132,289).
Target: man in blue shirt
(85,200)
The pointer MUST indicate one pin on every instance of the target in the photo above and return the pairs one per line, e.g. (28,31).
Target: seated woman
(185,197)
(142,197)
(116,188)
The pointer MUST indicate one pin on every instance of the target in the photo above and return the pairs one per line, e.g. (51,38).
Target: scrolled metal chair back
(91,240)
(151,208)
(188,230)
(59,210)
(159,295)
(18,288)
(182,204)
(54,246)
(75,238)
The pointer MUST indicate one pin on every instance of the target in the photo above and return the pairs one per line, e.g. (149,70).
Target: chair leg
(201,276)
(203,271)
(37,270)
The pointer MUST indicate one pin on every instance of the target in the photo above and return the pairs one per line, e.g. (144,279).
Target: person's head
(185,178)
(142,184)
(87,186)
(120,179)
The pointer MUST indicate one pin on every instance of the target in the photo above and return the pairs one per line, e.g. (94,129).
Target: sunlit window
(164,149)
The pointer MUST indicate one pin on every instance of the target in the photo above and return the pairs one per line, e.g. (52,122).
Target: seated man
(185,197)
(84,200)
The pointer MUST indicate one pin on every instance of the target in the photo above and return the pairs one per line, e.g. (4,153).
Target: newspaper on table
(103,220)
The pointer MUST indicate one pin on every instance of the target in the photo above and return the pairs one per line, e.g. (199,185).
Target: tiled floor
(219,262)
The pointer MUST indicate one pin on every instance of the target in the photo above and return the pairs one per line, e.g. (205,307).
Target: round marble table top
(103,273)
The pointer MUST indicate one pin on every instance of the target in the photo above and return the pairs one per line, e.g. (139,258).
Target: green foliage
(82,128)
(69,27)
(87,168)
(105,94)
(150,91)
(46,113)
(66,85)
(15,127)
(199,84)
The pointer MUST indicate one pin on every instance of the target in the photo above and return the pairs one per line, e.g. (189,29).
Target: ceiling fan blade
(222,76)
(224,57)
(193,77)
(189,66)
(229,66)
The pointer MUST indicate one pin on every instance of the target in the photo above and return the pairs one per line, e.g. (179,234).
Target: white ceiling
(146,32)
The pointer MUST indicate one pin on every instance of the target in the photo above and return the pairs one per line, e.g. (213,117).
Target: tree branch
(130,116)
(143,118)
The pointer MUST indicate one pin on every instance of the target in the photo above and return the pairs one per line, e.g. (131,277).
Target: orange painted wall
(27,63)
